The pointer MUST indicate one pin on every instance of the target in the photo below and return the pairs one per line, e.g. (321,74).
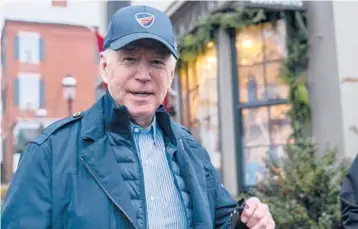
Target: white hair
(108,55)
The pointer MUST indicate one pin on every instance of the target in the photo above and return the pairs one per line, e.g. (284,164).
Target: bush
(302,189)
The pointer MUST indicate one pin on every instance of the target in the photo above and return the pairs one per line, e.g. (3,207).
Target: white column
(226,113)
(103,24)
(345,18)
(333,74)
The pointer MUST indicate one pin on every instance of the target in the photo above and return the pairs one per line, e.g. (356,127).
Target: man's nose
(143,72)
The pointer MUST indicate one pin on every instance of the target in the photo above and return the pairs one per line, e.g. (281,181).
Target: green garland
(293,69)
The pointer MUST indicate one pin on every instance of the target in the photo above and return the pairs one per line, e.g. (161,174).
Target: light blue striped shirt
(164,206)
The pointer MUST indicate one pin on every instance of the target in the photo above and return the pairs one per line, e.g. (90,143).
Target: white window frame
(29,47)
(29,92)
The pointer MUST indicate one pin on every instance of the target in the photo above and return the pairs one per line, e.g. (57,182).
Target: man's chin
(141,113)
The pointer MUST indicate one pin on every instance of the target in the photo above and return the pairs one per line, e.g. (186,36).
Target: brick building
(35,59)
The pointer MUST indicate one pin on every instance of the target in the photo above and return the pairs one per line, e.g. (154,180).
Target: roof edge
(174,7)
(45,23)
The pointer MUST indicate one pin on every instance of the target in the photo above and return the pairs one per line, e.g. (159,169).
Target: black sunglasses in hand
(236,215)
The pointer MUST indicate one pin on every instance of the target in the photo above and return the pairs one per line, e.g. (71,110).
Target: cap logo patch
(146,20)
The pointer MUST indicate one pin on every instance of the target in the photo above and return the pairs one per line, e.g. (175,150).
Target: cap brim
(125,40)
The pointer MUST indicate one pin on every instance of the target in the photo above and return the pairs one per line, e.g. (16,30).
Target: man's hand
(257,215)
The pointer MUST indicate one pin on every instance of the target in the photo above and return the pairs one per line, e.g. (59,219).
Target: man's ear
(170,79)
(103,65)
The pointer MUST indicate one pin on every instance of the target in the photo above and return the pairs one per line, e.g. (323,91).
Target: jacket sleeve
(225,205)
(28,200)
(349,197)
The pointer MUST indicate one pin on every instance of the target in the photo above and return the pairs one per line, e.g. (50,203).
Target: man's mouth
(141,94)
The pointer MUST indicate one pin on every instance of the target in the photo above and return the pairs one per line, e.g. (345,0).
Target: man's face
(138,76)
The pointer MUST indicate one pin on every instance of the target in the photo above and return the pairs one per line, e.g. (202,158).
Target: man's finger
(271,225)
(261,212)
(263,223)
(252,204)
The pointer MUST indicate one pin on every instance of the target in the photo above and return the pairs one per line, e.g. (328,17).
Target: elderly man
(124,163)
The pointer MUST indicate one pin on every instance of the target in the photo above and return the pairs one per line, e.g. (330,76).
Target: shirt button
(136,130)
(152,198)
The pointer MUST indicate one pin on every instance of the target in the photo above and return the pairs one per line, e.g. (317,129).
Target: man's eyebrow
(162,53)
(128,50)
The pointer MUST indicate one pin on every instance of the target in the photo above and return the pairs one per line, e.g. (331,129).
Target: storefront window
(201,105)
(262,97)
(266,130)
(184,95)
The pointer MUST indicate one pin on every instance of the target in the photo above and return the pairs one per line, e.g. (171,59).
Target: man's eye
(157,62)
(130,59)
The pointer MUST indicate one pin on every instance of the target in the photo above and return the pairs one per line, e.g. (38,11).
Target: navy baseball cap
(137,22)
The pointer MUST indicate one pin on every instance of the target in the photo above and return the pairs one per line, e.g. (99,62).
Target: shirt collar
(151,129)
(117,120)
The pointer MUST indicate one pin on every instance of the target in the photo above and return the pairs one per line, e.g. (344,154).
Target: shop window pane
(251,83)
(193,80)
(183,82)
(193,101)
(184,96)
(256,129)
(203,99)
(266,130)
(249,45)
(275,41)
(280,124)
(276,88)
(255,168)
(206,70)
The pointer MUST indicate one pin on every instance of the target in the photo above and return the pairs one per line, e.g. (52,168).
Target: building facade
(37,53)
(233,99)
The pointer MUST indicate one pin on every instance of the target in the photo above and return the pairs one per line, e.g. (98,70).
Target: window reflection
(276,88)
(184,95)
(254,165)
(280,124)
(275,41)
(266,130)
(256,129)
(202,106)
(251,83)
(260,50)
(249,45)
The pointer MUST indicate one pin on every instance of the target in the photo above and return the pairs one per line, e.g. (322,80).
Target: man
(123,163)
(349,198)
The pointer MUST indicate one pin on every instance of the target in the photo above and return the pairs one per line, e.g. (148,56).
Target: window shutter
(4,99)
(42,49)
(16,92)
(3,58)
(17,47)
(42,93)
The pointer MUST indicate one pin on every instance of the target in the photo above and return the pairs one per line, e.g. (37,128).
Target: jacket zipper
(108,194)
(186,176)
(136,151)
(177,186)
(186,165)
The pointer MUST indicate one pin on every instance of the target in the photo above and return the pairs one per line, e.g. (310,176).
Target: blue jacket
(349,197)
(70,177)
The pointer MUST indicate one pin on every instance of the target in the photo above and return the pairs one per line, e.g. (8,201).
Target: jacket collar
(106,115)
